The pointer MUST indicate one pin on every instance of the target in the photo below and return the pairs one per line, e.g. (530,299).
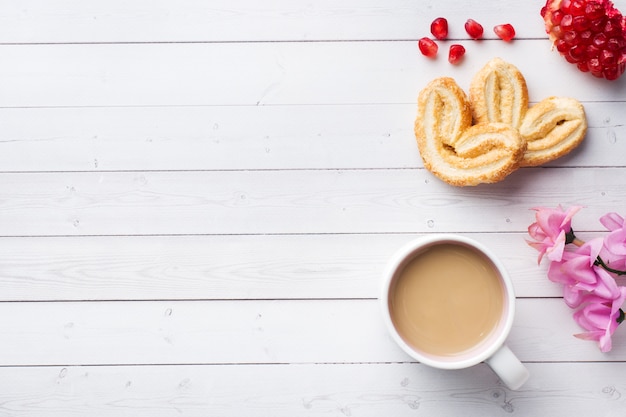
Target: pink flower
(614,253)
(579,275)
(550,229)
(606,287)
(612,221)
(587,270)
(599,318)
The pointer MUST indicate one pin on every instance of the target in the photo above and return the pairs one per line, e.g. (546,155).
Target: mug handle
(510,370)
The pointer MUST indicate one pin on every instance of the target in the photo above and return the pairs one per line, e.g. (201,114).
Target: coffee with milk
(447,299)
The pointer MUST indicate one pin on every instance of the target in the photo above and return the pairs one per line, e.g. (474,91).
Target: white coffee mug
(456,250)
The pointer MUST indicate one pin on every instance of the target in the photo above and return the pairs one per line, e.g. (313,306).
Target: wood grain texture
(246,137)
(262,202)
(197,200)
(316,389)
(36,21)
(252,332)
(287,73)
(227,267)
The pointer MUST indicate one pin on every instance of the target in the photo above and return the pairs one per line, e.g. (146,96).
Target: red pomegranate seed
(556,17)
(608,58)
(577,8)
(566,23)
(594,11)
(571,38)
(439,28)
(505,32)
(428,47)
(456,54)
(583,66)
(586,37)
(474,29)
(580,23)
(613,73)
(578,52)
(592,51)
(600,40)
(612,28)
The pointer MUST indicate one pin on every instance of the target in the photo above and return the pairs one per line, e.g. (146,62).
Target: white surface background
(198,198)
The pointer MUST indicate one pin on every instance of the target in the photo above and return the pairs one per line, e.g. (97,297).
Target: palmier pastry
(486,137)
(498,94)
(552,128)
(454,150)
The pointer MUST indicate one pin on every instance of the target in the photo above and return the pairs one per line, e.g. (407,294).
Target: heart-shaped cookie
(483,138)
(455,150)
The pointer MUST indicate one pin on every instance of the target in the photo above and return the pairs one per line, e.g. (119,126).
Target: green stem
(570,237)
(600,262)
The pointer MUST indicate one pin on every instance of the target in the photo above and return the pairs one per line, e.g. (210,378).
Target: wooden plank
(194,218)
(302,202)
(227,267)
(265,73)
(213,137)
(241,20)
(253,332)
(244,137)
(352,390)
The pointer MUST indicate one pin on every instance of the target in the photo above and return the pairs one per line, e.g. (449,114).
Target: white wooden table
(198,198)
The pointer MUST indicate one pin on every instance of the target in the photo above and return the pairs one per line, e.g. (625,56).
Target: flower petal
(612,221)
(578,269)
(615,242)
(606,287)
(592,248)
(594,335)
(555,253)
(572,296)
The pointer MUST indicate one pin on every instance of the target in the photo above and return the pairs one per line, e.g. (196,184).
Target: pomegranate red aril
(559,30)
(588,33)
(595,67)
(607,58)
(577,8)
(615,44)
(577,53)
(612,73)
(580,23)
(613,28)
(594,11)
(439,28)
(562,46)
(586,37)
(600,40)
(474,29)
(597,25)
(428,47)
(506,32)
(592,51)
(567,22)
(571,38)
(455,55)
(569,58)
(557,17)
